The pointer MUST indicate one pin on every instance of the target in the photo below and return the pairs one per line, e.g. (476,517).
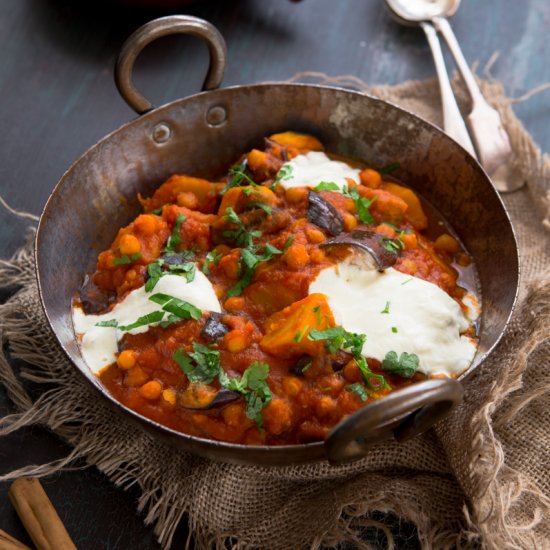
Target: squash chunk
(302,142)
(414,214)
(287,330)
(206,193)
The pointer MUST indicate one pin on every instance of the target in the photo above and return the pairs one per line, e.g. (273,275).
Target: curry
(221,305)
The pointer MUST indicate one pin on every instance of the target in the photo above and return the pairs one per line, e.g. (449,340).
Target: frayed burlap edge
(494,490)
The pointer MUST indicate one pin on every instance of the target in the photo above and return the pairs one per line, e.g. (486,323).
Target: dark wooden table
(58,98)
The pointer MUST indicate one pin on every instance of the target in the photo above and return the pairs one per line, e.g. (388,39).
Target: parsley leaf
(391,245)
(150,318)
(386,308)
(184,310)
(253,386)
(394,330)
(362,205)
(154,270)
(212,257)
(175,237)
(241,236)
(404,366)
(200,365)
(327,186)
(110,323)
(359,390)
(283,174)
(266,208)
(238,175)
(249,260)
(124,259)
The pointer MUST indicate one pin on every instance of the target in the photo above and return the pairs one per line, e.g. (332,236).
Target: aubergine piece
(198,398)
(214,329)
(298,367)
(176,258)
(323,214)
(383,250)
(95,300)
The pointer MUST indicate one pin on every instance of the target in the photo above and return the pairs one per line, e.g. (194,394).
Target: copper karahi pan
(202,135)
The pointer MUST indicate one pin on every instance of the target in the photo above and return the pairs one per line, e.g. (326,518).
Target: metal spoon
(490,138)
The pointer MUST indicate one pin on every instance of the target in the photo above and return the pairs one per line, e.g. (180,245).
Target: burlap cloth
(482,476)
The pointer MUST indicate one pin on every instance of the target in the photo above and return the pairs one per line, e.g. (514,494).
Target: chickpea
(235,341)
(295,195)
(169,396)
(350,222)
(126,359)
(315,236)
(296,256)
(292,385)
(135,377)
(151,390)
(129,245)
(234,303)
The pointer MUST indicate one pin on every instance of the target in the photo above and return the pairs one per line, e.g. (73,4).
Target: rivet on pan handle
(401,415)
(164,26)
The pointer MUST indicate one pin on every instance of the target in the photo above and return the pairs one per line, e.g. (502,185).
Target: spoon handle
(453,123)
(490,138)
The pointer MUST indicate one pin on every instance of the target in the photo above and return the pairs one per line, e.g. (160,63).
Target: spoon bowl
(416,11)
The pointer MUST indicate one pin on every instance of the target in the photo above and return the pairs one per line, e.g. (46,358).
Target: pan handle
(164,26)
(401,415)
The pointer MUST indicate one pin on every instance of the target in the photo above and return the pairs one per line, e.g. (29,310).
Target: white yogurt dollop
(398,313)
(99,344)
(311,169)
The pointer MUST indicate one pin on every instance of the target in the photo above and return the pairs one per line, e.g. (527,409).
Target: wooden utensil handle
(38,515)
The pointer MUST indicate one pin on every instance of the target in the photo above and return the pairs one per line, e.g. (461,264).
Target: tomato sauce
(308,388)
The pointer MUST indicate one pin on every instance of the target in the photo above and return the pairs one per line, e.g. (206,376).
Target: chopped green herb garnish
(391,245)
(394,330)
(362,205)
(200,365)
(253,386)
(374,381)
(394,227)
(266,208)
(154,271)
(158,211)
(327,186)
(407,281)
(124,259)
(238,175)
(299,335)
(283,174)
(249,261)
(389,168)
(175,237)
(386,308)
(327,388)
(359,390)
(404,366)
(110,323)
(212,257)
(149,319)
(240,236)
(186,269)
(184,310)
